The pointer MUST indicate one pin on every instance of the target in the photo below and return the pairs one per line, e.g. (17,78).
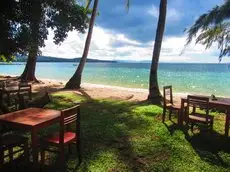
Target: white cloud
(153,11)
(172,13)
(109,45)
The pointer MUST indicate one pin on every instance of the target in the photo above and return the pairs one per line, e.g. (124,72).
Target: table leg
(34,142)
(181,114)
(8,99)
(227,124)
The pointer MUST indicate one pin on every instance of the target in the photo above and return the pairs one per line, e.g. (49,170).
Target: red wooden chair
(9,142)
(168,103)
(64,136)
(195,117)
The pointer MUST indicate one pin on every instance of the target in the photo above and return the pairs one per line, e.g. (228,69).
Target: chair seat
(200,118)
(68,136)
(11,140)
(25,89)
(175,106)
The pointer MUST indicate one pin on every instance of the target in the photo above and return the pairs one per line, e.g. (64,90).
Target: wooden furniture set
(194,109)
(34,119)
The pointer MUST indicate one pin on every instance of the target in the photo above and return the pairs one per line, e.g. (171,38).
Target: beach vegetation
(60,16)
(13,36)
(213,27)
(27,24)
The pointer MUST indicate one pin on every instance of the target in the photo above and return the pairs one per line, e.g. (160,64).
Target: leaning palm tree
(154,92)
(75,80)
(213,27)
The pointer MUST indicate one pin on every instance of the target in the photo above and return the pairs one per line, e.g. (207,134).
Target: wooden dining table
(31,119)
(220,103)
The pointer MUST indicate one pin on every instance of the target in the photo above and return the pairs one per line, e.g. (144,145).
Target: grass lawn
(127,136)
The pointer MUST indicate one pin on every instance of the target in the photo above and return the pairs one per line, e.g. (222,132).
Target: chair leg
(69,148)
(1,157)
(62,158)
(163,117)
(26,151)
(30,95)
(192,127)
(187,125)
(211,126)
(178,116)
(79,151)
(170,114)
(11,154)
(42,158)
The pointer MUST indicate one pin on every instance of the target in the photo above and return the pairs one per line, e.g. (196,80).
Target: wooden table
(32,119)
(221,103)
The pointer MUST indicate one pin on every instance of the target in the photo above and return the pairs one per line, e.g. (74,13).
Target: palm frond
(213,27)
(88,2)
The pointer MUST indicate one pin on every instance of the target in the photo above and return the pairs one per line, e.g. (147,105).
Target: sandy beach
(91,90)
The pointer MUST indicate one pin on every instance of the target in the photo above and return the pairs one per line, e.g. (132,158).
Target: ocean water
(185,78)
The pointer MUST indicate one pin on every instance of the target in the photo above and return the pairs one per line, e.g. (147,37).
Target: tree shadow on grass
(118,136)
(105,136)
(108,119)
(212,148)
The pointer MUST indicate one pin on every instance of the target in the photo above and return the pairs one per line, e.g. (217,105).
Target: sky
(121,34)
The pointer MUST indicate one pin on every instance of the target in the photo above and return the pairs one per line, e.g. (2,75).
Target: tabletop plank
(31,116)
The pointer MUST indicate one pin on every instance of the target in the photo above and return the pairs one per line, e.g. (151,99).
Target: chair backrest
(2,85)
(1,97)
(69,116)
(198,102)
(167,94)
(24,85)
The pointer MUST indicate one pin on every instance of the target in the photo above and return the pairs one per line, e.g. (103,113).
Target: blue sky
(122,35)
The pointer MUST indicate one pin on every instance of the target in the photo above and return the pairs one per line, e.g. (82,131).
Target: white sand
(98,91)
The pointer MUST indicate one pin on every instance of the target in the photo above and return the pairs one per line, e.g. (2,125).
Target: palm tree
(75,80)
(154,92)
(213,26)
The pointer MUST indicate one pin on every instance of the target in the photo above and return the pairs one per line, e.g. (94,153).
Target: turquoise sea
(185,78)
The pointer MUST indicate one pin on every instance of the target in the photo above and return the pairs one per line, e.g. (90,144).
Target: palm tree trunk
(154,92)
(75,80)
(29,71)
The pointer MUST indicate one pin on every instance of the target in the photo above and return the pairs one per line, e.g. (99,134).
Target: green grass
(127,136)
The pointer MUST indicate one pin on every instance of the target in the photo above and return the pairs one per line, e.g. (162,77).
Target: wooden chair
(168,103)
(21,102)
(25,88)
(9,142)
(195,117)
(40,102)
(2,85)
(64,136)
